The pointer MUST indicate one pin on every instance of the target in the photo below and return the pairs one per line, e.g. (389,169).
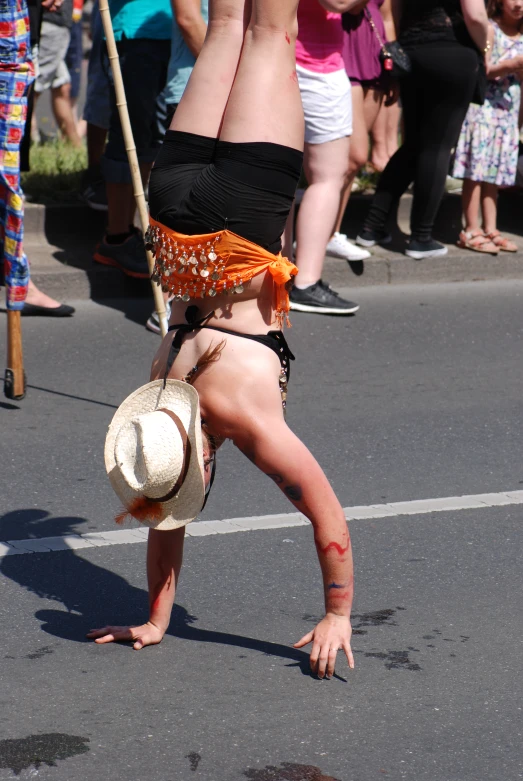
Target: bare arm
(164,562)
(343,6)
(476,19)
(190,21)
(388,21)
(260,432)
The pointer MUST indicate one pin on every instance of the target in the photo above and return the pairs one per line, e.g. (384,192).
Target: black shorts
(204,185)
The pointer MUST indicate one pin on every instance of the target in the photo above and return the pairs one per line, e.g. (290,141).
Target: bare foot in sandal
(501,242)
(478,242)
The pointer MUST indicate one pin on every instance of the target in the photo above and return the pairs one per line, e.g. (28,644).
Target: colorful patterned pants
(13,109)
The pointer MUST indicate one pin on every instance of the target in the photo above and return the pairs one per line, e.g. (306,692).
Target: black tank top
(425,21)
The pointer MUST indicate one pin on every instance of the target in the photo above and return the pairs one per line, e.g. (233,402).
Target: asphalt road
(418,396)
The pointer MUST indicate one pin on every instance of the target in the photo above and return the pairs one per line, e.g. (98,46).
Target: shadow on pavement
(94,596)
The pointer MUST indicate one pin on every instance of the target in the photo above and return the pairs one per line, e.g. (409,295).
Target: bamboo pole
(14,384)
(130,148)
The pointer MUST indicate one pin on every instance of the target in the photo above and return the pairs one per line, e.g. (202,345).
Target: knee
(357,159)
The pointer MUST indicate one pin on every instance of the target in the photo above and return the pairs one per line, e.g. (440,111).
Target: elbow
(185,22)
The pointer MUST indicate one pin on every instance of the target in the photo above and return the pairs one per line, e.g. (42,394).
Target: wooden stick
(14,385)
(130,148)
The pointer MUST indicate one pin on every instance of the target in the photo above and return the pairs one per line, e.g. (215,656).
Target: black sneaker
(425,249)
(129,256)
(322,299)
(369,238)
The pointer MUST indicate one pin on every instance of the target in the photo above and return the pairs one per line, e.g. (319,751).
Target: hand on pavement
(140,636)
(331,635)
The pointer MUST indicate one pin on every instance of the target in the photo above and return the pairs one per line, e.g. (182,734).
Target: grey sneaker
(322,299)
(153,323)
(129,256)
(95,196)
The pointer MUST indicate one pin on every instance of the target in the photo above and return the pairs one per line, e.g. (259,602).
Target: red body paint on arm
(335,546)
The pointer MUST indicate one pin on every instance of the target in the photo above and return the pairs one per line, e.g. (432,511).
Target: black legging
(435,98)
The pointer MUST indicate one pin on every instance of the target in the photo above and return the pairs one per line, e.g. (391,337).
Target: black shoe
(425,249)
(369,238)
(322,299)
(35,310)
(129,256)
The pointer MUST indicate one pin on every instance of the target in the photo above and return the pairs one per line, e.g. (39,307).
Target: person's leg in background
(144,71)
(53,74)
(384,135)
(97,115)
(400,170)
(366,103)
(449,74)
(73,61)
(327,107)
(22,293)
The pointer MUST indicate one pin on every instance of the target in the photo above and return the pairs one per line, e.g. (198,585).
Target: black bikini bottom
(274,340)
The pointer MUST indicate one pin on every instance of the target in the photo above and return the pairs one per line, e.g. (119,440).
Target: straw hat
(154,455)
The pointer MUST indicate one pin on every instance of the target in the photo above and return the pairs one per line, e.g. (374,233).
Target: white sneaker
(340,247)
(153,323)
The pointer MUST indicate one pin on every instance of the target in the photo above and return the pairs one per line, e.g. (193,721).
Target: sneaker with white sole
(425,249)
(369,238)
(340,247)
(153,323)
(322,299)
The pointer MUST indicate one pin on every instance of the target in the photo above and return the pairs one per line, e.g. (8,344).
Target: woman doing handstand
(220,193)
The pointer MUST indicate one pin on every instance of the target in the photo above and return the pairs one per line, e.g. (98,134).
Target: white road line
(130,536)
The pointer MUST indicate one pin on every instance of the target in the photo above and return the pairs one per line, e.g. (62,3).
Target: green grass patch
(56,173)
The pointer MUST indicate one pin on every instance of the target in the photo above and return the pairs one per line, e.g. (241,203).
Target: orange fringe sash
(207,264)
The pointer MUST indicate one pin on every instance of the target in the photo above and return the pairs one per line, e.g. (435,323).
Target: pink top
(320,38)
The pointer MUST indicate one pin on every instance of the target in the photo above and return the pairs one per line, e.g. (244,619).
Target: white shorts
(327,105)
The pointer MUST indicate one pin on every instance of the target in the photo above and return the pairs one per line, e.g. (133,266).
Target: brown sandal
(477,241)
(501,242)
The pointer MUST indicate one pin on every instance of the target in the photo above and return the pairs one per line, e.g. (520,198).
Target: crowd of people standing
(443,77)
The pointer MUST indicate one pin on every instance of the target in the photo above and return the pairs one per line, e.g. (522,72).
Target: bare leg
(122,203)
(37,297)
(325,169)
(366,106)
(265,102)
(384,134)
(96,138)
(63,112)
(471,199)
(489,206)
(203,103)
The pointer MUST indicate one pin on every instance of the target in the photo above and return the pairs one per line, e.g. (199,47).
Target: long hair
(494,8)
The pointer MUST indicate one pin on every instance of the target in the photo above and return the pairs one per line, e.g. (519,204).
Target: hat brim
(184,401)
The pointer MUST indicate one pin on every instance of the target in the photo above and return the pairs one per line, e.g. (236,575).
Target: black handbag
(480,90)
(394,59)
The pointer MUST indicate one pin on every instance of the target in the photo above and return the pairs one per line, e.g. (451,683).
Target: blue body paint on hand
(335,585)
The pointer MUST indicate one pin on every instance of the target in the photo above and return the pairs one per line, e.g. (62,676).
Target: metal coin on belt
(212,256)
(204,272)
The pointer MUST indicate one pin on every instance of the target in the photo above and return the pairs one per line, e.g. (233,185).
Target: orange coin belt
(203,265)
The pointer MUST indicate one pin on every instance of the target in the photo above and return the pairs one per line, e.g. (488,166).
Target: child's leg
(265,102)
(203,103)
(489,206)
(471,199)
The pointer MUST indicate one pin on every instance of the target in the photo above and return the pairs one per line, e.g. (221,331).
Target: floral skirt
(487,149)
